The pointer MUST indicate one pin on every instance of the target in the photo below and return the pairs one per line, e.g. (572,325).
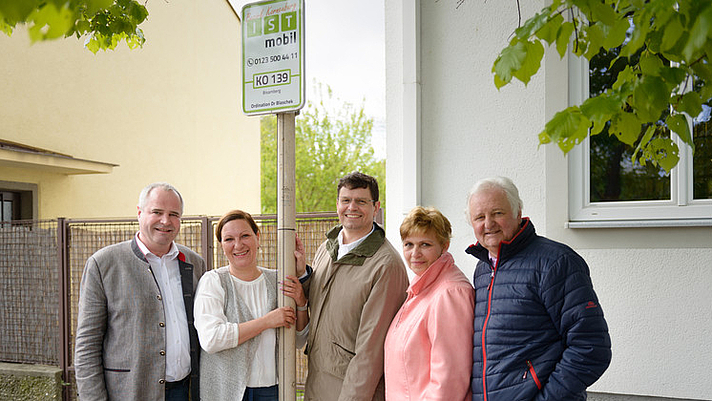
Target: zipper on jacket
(530,369)
(484,330)
(402,310)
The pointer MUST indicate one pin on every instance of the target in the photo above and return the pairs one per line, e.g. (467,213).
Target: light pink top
(428,349)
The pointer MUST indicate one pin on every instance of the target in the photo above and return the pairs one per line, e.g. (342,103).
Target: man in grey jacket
(135,338)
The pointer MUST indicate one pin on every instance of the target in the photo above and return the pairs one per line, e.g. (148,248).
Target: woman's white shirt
(216,334)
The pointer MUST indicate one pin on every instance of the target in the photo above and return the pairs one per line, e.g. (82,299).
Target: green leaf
(594,36)
(531,26)
(678,124)
(603,12)
(531,63)
(626,126)
(5,27)
(650,63)
(699,33)
(597,127)
(663,152)
(508,62)
(95,5)
(104,22)
(92,44)
(615,35)
(563,37)
(665,46)
(654,40)
(136,40)
(637,40)
(703,71)
(600,108)
(650,98)
(624,77)
(690,103)
(138,12)
(644,141)
(13,12)
(672,76)
(499,82)
(549,31)
(50,22)
(673,32)
(568,128)
(81,27)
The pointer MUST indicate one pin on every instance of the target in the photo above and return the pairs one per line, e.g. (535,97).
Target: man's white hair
(503,183)
(143,197)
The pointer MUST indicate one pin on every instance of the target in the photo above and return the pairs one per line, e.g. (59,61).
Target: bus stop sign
(273,56)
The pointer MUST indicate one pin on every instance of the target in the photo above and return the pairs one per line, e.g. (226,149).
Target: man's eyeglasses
(359,201)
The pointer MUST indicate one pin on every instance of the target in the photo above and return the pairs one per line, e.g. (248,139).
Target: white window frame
(680,210)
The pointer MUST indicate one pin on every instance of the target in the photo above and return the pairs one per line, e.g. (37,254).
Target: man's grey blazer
(121,334)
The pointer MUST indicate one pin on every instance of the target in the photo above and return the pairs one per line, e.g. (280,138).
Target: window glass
(702,158)
(614,175)
(608,189)
(8,206)
(6,211)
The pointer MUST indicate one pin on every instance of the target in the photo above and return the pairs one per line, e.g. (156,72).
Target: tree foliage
(665,48)
(331,141)
(103,23)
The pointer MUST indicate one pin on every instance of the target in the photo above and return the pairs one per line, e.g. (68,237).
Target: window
(9,206)
(18,201)
(608,189)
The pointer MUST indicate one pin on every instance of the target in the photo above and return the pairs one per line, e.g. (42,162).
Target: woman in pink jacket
(428,349)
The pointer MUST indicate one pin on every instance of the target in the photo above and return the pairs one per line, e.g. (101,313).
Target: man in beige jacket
(358,285)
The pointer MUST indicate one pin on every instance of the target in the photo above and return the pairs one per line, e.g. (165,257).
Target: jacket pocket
(342,348)
(118,381)
(532,373)
(341,360)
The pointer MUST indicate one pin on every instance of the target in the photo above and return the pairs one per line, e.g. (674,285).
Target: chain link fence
(42,263)
(29,290)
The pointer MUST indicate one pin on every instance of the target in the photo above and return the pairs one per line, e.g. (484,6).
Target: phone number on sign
(270,59)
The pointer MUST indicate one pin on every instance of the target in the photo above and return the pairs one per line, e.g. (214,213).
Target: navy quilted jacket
(539,330)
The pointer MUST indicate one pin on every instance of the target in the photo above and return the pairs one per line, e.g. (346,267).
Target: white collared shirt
(346,248)
(167,273)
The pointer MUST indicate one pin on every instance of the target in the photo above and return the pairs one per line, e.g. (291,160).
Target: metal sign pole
(286,232)
(273,82)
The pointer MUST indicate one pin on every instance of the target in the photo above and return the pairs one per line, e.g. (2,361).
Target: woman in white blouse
(236,316)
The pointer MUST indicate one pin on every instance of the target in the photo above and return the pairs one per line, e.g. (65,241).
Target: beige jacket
(352,302)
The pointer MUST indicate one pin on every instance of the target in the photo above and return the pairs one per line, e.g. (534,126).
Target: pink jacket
(428,348)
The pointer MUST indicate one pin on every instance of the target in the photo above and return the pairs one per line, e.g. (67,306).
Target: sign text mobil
(273,56)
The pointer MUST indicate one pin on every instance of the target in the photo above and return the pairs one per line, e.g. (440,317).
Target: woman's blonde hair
(424,219)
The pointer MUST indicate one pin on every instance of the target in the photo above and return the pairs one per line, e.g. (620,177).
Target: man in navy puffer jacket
(540,333)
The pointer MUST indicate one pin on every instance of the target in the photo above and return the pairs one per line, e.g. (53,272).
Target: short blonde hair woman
(428,349)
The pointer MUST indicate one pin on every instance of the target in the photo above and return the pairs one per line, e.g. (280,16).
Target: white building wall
(654,284)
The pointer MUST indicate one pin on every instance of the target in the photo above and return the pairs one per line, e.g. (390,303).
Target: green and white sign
(273,56)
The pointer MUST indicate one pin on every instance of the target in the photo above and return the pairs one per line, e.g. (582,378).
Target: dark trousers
(261,394)
(178,391)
